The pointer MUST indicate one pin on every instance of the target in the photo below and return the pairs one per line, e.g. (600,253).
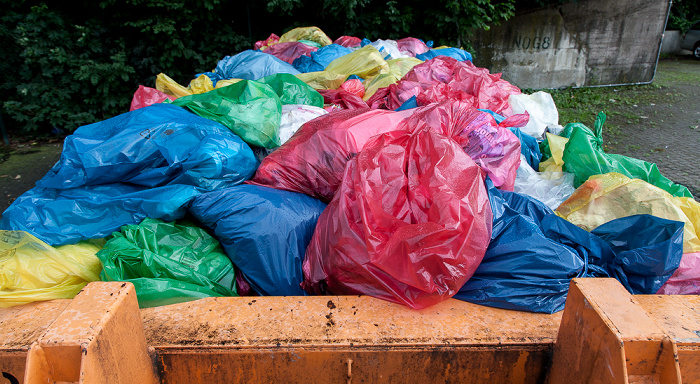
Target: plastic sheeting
(455,53)
(340,99)
(168,263)
(288,52)
(584,157)
(171,88)
(348,41)
(398,68)
(493,148)
(606,197)
(264,232)
(412,46)
(529,147)
(533,254)
(154,146)
(551,188)
(364,62)
(446,78)
(686,279)
(388,48)
(541,108)
(296,115)
(313,160)
(409,224)
(145,96)
(145,163)
(319,60)
(250,65)
(253,109)
(31,270)
(314,34)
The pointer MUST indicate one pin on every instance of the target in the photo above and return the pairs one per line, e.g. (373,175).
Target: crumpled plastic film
(264,231)
(603,198)
(551,188)
(398,68)
(364,62)
(686,279)
(31,270)
(447,78)
(306,33)
(313,160)
(409,224)
(145,96)
(288,52)
(168,263)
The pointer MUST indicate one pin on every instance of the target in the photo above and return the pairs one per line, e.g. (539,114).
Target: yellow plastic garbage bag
(31,270)
(322,79)
(306,33)
(365,62)
(170,87)
(609,196)
(398,68)
(556,146)
(224,83)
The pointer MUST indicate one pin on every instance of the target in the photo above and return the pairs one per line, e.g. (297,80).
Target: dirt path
(658,123)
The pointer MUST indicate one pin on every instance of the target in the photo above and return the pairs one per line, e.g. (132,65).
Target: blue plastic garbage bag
(534,254)
(249,65)
(529,147)
(408,104)
(454,53)
(264,232)
(319,60)
(67,216)
(153,146)
(648,250)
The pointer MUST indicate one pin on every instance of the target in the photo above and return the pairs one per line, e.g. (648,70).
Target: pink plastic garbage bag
(145,96)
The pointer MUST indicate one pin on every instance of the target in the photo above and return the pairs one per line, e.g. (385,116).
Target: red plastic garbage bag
(444,78)
(412,46)
(289,52)
(145,96)
(493,148)
(348,41)
(313,160)
(410,223)
(340,99)
(271,40)
(353,86)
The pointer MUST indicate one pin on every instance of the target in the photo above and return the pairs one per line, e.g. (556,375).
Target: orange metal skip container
(604,335)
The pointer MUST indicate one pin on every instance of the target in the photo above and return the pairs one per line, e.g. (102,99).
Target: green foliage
(444,21)
(684,13)
(67,64)
(73,64)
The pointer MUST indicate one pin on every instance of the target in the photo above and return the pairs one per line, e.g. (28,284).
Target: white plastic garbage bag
(543,112)
(294,116)
(551,188)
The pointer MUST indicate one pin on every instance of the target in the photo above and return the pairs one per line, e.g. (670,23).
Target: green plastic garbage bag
(252,109)
(584,157)
(291,90)
(168,262)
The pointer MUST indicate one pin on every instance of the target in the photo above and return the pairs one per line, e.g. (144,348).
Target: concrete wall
(671,43)
(588,42)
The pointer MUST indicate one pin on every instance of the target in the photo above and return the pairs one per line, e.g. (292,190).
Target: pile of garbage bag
(312,166)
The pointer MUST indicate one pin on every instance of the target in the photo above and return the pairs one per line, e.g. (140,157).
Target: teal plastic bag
(253,109)
(584,157)
(168,263)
